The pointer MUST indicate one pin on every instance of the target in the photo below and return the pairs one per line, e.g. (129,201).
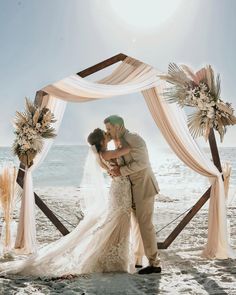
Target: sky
(43,41)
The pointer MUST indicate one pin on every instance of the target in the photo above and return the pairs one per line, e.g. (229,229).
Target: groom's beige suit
(136,166)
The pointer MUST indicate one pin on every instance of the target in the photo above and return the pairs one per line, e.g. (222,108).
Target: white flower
(203,96)
(203,87)
(190,93)
(38,125)
(201,105)
(26,146)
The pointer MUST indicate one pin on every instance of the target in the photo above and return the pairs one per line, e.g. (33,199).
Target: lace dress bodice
(120,191)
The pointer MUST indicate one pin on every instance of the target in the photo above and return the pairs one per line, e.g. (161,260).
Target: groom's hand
(115,171)
(120,132)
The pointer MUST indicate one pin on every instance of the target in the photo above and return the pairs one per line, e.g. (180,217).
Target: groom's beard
(112,137)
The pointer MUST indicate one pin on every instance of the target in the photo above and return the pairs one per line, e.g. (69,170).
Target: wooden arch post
(198,205)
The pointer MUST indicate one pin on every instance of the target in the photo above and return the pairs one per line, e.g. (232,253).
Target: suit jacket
(137,166)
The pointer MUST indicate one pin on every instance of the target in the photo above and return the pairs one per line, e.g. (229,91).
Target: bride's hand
(115,171)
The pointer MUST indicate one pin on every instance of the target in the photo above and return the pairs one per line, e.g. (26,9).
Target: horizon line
(83,144)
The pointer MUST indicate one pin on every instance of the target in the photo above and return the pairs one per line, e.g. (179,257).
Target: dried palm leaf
(49,133)
(201,74)
(175,75)
(226,108)
(21,118)
(30,107)
(191,74)
(217,87)
(196,124)
(209,79)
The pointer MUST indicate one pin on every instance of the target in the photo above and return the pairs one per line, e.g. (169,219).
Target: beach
(184,271)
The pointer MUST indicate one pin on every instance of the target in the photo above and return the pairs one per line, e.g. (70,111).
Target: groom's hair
(114,120)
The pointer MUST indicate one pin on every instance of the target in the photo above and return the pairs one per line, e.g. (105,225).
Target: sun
(144,14)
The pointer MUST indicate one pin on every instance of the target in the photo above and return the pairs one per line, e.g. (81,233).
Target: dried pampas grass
(8,198)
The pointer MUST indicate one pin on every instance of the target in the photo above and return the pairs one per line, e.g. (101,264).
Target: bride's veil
(61,255)
(93,192)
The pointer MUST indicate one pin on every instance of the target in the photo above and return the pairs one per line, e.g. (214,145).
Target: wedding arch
(130,76)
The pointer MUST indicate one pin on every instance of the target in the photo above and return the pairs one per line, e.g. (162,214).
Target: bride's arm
(120,150)
(108,155)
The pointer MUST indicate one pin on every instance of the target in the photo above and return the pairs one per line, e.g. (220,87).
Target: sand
(184,271)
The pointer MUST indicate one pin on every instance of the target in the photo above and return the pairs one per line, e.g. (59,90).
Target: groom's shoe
(149,269)
(138,266)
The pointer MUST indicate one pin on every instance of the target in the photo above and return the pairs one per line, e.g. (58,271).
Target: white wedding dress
(100,243)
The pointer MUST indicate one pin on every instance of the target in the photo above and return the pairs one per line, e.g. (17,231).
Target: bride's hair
(95,138)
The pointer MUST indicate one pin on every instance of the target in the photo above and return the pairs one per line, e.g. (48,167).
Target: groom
(144,187)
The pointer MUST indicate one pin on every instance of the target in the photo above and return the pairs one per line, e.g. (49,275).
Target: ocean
(64,164)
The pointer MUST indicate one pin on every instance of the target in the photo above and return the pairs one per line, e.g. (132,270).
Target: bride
(101,241)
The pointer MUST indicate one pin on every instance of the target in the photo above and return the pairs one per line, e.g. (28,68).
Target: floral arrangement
(200,90)
(31,127)
(7,200)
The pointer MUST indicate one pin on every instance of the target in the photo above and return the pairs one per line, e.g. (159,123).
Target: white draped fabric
(26,231)
(130,77)
(172,122)
(134,76)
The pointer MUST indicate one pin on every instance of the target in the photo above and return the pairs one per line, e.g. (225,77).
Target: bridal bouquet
(31,127)
(200,90)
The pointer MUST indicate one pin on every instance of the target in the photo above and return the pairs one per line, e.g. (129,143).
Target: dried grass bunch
(7,198)
(200,90)
(31,127)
